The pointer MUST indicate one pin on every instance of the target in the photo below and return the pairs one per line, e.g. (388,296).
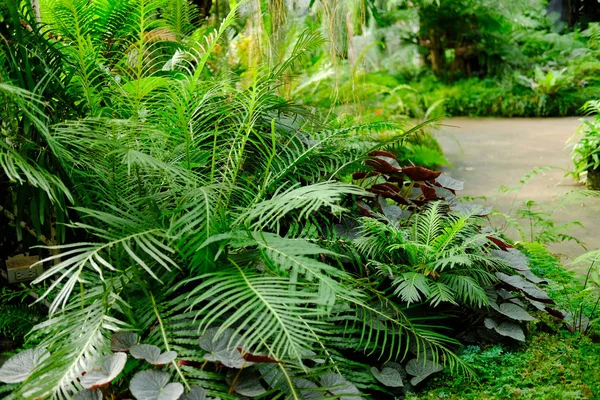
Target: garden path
(489,152)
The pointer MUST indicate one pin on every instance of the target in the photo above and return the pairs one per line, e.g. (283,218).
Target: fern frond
(412,287)
(467,289)
(440,293)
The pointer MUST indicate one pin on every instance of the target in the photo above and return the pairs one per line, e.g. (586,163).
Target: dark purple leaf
(420,173)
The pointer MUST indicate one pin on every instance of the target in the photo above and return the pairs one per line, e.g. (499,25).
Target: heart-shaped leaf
(500,243)
(513,258)
(537,304)
(477,210)
(154,385)
(385,165)
(382,153)
(123,341)
(111,367)
(449,183)
(392,212)
(528,288)
(445,194)
(222,348)
(530,276)
(490,323)
(421,368)
(512,330)
(347,229)
(247,383)
(152,354)
(388,376)
(397,367)
(308,389)
(88,394)
(513,311)
(428,192)
(17,368)
(340,387)
(257,358)
(196,393)
(508,329)
(420,173)
(364,209)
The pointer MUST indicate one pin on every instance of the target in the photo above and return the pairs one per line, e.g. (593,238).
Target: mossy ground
(548,366)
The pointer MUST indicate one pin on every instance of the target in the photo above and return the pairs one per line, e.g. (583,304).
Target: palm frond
(19,169)
(261,308)
(302,200)
(137,243)
(75,340)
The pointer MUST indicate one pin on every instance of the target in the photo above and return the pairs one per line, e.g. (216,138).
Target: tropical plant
(586,151)
(585,315)
(548,83)
(439,258)
(195,199)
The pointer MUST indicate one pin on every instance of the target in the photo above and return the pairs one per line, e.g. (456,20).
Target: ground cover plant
(206,235)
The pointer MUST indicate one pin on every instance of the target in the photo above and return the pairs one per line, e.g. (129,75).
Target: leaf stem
(237,376)
(167,347)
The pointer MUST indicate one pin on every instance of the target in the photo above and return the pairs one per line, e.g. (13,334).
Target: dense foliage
(203,234)
(475,58)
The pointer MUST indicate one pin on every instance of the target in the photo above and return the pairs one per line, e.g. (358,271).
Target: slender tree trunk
(436,53)
(35,5)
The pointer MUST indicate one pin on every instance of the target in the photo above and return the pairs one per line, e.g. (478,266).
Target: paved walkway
(489,152)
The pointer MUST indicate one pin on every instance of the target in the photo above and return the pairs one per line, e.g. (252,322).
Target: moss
(549,366)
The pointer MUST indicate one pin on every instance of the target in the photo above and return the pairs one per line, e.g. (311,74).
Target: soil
(489,152)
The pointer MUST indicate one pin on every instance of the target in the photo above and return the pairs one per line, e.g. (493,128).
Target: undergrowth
(554,363)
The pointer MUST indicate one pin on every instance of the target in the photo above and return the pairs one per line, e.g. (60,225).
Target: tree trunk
(35,5)
(437,56)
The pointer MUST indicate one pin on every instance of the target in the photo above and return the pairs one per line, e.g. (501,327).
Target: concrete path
(489,152)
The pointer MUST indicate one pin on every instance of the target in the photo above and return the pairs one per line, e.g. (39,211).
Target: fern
(438,258)
(17,320)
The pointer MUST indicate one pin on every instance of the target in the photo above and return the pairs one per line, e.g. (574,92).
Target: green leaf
(154,385)
(248,383)
(195,393)
(388,376)
(508,329)
(221,346)
(123,341)
(88,394)
(421,368)
(111,367)
(513,258)
(303,200)
(152,354)
(528,288)
(440,293)
(513,311)
(340,387)
(17,368)
(411,287)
